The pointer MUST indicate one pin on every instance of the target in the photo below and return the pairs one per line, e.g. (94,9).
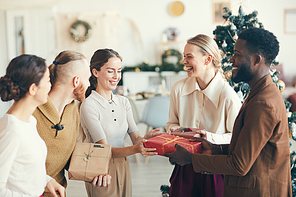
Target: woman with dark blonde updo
(203,100)
(22,151)
(106,119)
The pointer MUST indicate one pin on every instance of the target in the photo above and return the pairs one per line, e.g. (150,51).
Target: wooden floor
(146,177)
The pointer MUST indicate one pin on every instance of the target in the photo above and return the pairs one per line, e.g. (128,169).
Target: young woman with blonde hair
(203,100)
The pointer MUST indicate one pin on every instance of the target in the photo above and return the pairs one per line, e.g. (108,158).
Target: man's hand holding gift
(182,156)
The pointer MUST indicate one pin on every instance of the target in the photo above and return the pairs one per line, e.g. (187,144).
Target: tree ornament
(75,34)
(281,85)
(227,14)
(257,25)
(293,130)
(228,74)
(289,114)
(233,27)
(272,71)
(240,95)
(224,44)
(241,11)
(137,70)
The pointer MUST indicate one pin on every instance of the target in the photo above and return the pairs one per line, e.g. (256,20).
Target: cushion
(292,100)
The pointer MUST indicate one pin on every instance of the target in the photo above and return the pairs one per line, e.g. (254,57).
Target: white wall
(152,17)
(3,58)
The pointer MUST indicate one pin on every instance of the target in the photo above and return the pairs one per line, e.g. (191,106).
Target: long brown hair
(99,59)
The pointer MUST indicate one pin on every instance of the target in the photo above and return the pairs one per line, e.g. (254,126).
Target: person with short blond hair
(58,119)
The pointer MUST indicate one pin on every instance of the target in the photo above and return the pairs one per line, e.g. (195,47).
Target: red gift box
(165,143)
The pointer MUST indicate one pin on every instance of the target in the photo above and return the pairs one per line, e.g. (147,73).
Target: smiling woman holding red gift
(106,119)
(203,100)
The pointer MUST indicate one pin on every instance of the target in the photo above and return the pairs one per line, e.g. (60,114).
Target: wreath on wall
(75,34)
(177,54)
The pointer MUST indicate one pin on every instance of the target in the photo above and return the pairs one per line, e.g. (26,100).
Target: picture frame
(289,23)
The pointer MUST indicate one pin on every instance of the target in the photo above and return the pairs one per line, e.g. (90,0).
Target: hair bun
(8,89)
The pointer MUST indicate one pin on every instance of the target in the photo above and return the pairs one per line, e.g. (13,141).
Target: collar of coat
(212,91)
(260,85)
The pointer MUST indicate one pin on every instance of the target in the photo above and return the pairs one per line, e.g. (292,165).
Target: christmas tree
(225,36)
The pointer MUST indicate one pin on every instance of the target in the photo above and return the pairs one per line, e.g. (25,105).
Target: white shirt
(101,119)
(22,158)
(214,109)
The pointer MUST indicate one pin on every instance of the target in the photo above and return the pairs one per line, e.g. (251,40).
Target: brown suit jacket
(258,162)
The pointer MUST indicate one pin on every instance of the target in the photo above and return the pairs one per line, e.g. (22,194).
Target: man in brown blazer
(257,161)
